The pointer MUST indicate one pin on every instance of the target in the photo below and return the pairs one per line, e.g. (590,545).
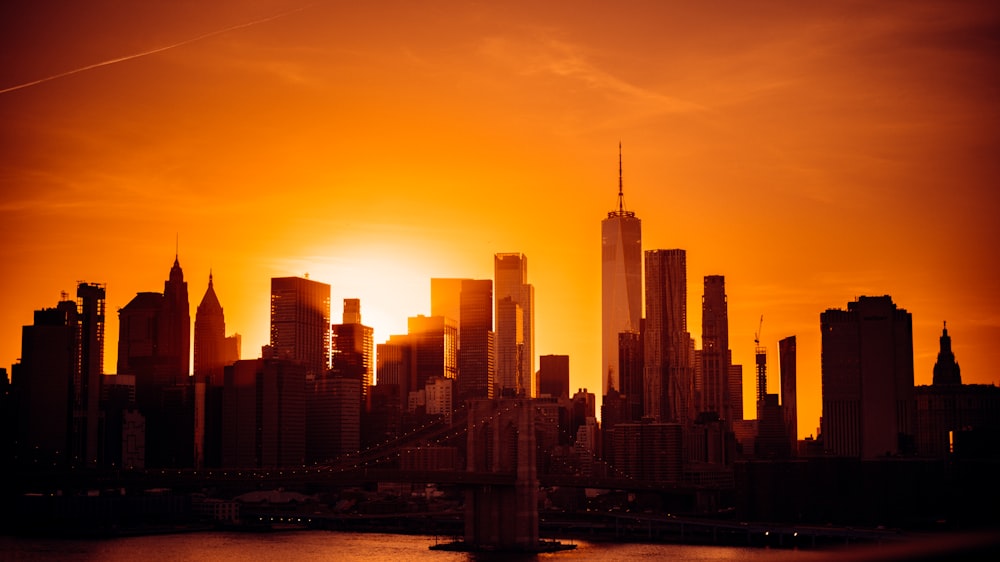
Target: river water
(348,547)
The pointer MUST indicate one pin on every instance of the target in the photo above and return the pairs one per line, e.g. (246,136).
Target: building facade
(476,340)
(867,379)
(300,322)
(713,392)
(621,283)
(515,325)
(789,409)
(667,347)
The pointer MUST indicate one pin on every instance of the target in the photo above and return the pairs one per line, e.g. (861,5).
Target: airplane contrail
(156,50)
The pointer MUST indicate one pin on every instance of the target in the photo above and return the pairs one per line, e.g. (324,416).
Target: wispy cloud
(546,56)
(155,50)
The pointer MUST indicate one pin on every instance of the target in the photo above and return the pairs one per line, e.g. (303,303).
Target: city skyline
(809,156)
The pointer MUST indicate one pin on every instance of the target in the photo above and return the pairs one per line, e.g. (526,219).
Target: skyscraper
(553,375)
(44,382)
(87,390)
(630,368)
(867,374)
(210,354)
(433,349)
(264,414)
(667,372)
(353,346)
(946,369)
(515,330)
(476,342)
(715,391)
(210,359)
(154,344)
(786,360)
(175,324)
(300,322)
(621,282)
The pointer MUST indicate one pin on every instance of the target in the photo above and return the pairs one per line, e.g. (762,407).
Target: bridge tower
(501,440)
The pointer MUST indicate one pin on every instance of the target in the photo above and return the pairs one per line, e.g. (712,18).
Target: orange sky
(809,153)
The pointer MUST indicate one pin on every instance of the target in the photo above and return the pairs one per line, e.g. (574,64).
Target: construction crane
(756,335)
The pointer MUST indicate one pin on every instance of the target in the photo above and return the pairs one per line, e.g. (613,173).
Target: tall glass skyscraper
(300,322)
(515,321)
(666,351)
(621,282)
(714,391)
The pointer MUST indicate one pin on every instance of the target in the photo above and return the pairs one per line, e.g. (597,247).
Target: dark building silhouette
(515,326)
(954,418)
(334,412)
(630,373)
(175,324)
(553,375)
(867,375)
(87,385)
(124,428)
(649,451)
(614,410)
(714,390)
(154,345)
(760,365)
(476,340)
(43,382)
(736,391)
(58,381)
(666,349)
(213,351)
(264,414)
(300,322)
(789,410)
(772,437)
(583,405)
(433,349)
(946,369)
(353,347)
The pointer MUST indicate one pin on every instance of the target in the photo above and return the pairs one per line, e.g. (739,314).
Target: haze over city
(810,154)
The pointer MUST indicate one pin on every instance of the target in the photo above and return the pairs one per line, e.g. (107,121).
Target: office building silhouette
(954,419)
(154,345)
(621,282)
(553,376)
(300,322)
(867,376)
(714,391)
(433,344)
(789,408)
(353,347)
(476,340)
(515,326)
(213,351)
(667,345)
(630,369)
(264,413)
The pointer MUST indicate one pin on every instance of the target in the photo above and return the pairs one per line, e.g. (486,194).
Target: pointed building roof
(946,370)
(209,302)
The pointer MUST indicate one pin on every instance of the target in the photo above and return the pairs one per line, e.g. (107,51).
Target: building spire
(620,212)
(621,196)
